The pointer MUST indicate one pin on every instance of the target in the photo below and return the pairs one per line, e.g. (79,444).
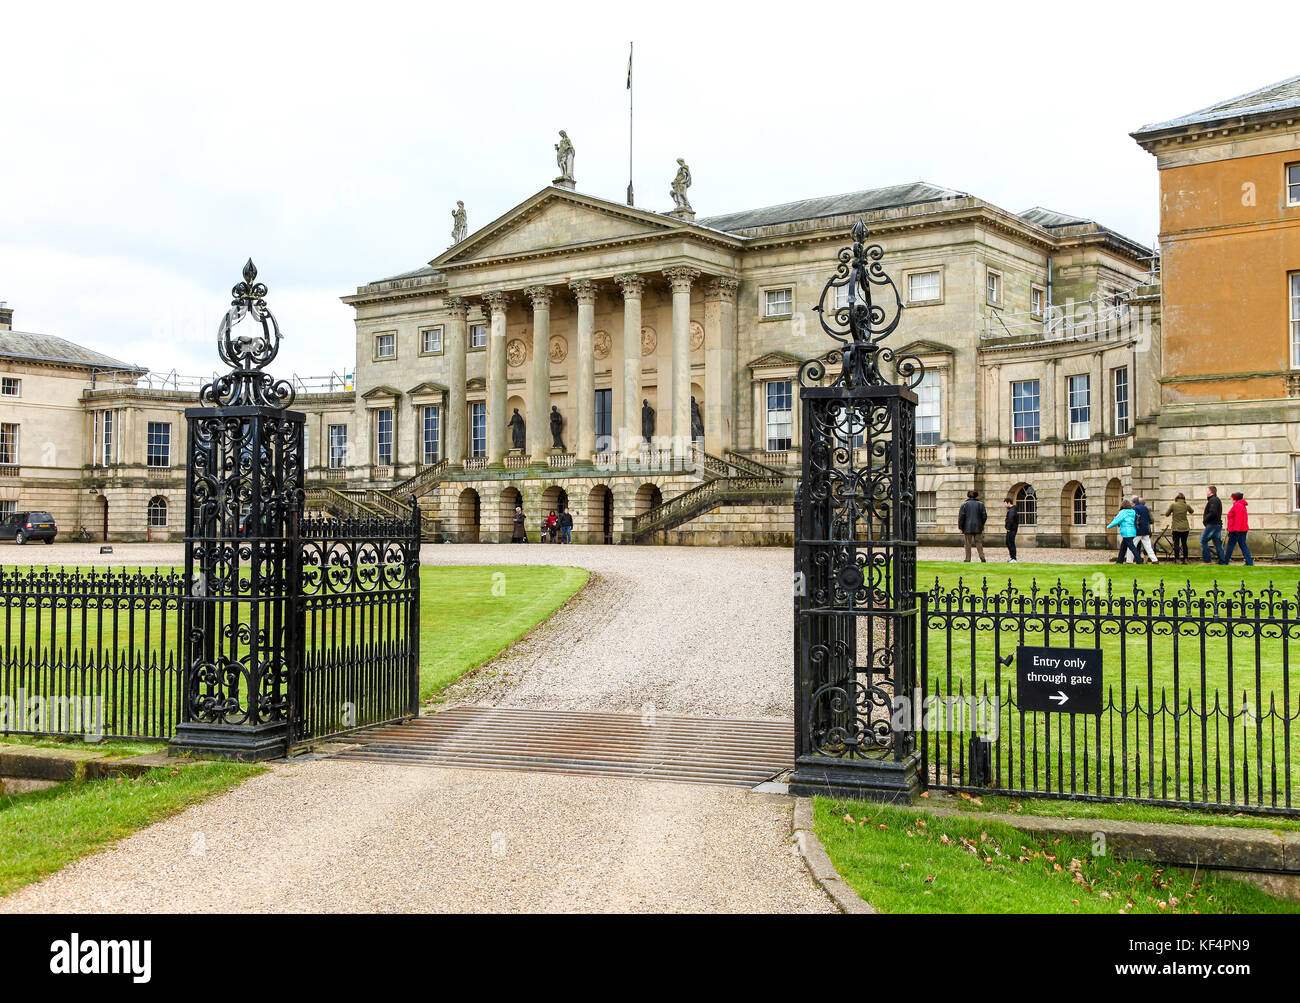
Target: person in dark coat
(1012,524)
(520,533)
(1142,517)
(566,526)
(1212,518)
(971,518)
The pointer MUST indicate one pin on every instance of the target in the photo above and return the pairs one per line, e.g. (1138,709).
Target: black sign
(1063,680)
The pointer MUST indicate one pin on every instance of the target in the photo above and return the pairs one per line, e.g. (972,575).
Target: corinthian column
(633,286)
(540,383)
(496,381)
(719,363)
(456,416)
(584,290)
(681,279)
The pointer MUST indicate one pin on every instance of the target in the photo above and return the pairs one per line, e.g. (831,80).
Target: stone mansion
(639,368)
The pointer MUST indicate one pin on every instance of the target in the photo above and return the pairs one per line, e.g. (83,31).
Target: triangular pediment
(775,360)
(426,388)
(552,219)
(923,347)
(381,391)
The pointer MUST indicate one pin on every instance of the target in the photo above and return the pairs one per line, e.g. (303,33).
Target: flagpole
(629,123)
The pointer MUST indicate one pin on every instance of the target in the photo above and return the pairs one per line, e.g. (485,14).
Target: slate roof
(1281,96)
(48,348)
(1049,219)
(871,200)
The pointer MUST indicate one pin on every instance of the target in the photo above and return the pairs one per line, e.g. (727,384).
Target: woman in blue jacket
(1126,522)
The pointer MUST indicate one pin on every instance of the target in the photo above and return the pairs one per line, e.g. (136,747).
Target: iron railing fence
(1199,708)
(360,623)
(98,652)
(90,652)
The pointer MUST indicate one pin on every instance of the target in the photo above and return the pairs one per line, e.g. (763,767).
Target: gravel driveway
(330,836)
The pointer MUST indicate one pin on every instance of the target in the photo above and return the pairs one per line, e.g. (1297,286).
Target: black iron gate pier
(292,629)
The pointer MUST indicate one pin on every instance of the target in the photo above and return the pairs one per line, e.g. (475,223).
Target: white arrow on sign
(1060,698)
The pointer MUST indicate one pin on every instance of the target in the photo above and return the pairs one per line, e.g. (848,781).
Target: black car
(23,526)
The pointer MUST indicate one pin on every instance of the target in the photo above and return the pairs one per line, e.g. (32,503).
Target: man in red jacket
(1238,527)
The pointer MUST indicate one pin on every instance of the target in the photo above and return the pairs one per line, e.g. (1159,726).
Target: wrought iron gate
(855,545)
(293,629)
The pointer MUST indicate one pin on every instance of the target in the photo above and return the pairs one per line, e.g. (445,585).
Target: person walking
(566,526)
(1212,519)
(1179,515)
(520,534)
(971,518)
(1238,527)
(1012,524)
(551,521)
(1142,517)
(1126,522)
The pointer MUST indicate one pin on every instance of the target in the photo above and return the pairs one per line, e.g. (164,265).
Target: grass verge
(45,830)
(904,861)
(1119,812)
(469,615)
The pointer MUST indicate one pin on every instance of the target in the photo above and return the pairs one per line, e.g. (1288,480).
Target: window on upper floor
(924,287)
(780,414)
(158,444)
(1078,391)
(431,340)
(386,346)
(1120,394)
(430,434)
(929,410)
(1294,279)
(1036,302)
(478,336)
(384,437)
(478,429)
(8,444)
(338,447)
(1293,184)
(11,386)
(1024,411)
(778,302)
(993,287)
(105,438)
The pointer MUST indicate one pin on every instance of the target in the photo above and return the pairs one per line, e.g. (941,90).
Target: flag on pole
(629,65)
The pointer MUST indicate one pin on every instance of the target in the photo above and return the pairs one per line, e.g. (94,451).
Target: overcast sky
(148,151)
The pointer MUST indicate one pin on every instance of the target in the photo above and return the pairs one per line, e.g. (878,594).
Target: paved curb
(819,864)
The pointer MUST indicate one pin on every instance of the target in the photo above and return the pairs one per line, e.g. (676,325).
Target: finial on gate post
(248,351)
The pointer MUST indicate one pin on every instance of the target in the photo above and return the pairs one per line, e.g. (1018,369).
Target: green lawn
(472,614)
(43,831)
(1168,679)
(905,861)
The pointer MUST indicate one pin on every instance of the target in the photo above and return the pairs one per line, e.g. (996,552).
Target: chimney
(6,316)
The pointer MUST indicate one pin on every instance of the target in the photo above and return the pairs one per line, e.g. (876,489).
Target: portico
(593,330)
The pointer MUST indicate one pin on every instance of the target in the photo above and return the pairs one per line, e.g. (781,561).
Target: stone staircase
(389,503)
(731,479)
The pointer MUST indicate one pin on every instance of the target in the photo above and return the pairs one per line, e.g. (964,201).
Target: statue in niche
(517,430)
(647,420)
(680,183)
(697,420)
(557,428)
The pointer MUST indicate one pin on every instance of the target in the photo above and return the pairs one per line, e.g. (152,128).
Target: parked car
(23,526)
